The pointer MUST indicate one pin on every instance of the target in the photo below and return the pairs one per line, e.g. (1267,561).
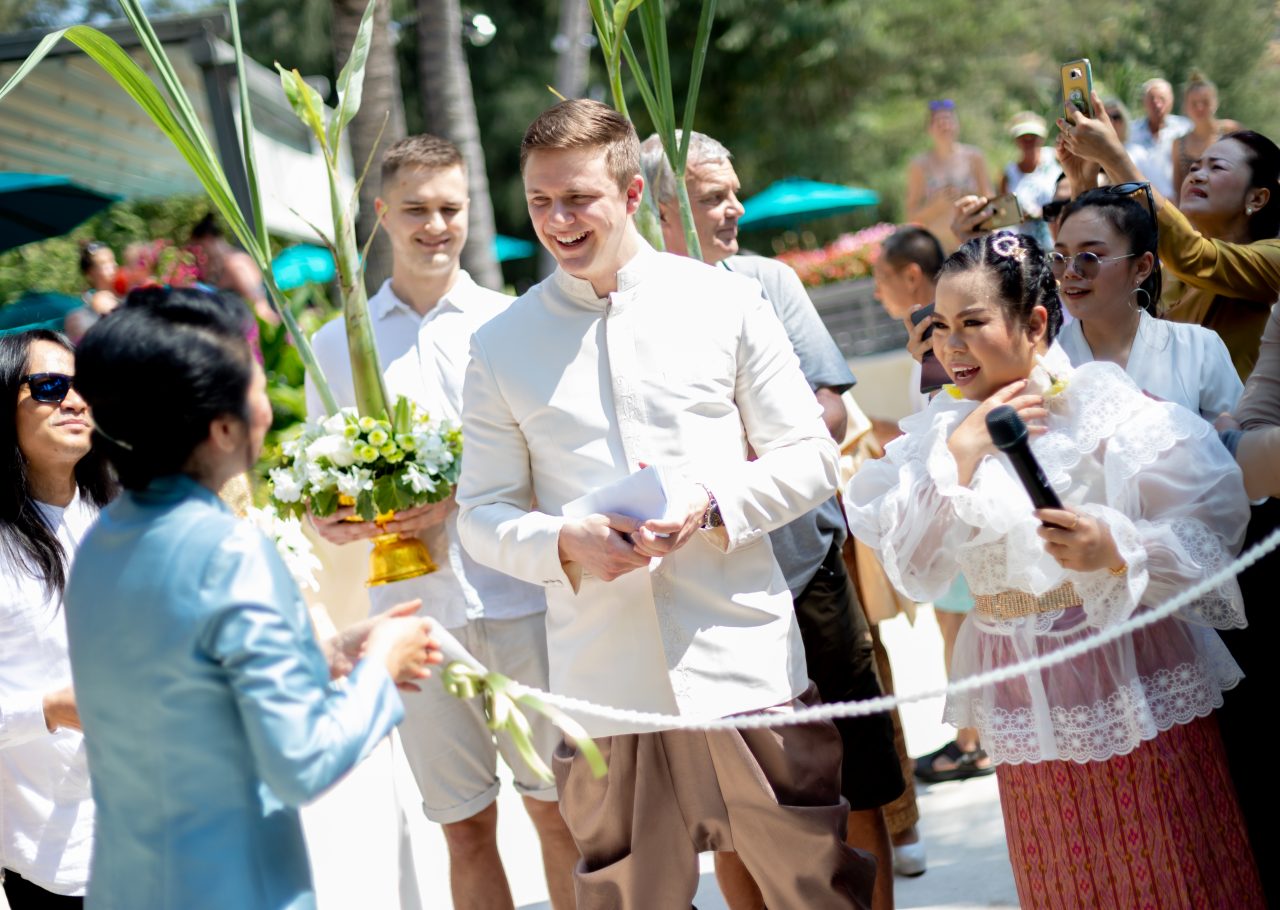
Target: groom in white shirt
(423,318)
(626,357)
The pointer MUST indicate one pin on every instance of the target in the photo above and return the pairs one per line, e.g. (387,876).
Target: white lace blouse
(1173,498)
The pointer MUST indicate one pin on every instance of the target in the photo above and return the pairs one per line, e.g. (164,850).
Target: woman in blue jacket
(208,706)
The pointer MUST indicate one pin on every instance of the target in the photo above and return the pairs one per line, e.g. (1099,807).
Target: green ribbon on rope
(502,704)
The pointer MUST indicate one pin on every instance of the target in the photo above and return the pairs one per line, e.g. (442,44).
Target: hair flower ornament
(1006,245)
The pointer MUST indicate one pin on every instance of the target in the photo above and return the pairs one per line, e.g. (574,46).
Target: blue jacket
(208,711)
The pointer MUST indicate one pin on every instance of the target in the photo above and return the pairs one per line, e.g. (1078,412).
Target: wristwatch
(711,517)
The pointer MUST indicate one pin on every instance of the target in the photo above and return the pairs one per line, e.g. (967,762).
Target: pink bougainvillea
(847,257)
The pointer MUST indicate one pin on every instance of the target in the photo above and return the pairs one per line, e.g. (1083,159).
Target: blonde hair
(1198,80)
(586,124)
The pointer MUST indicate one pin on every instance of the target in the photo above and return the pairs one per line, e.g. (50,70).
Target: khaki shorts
(452,752)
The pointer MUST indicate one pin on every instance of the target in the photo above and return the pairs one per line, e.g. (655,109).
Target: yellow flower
(1056,387)
(367,424)
(378,437)
(366,453)
(953,391)
(389,449)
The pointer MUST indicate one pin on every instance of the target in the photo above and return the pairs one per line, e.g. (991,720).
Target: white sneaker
(909,859)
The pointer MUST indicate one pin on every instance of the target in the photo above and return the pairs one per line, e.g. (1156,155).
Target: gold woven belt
(1014,604)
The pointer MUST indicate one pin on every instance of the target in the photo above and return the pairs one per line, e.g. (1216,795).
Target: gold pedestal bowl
(394,557)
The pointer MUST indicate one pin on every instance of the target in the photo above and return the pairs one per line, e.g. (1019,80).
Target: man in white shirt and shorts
(423,318)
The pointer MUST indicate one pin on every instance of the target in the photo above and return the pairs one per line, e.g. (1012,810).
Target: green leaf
(405,497)
(324,503)
(620,13)
(351,79)
(246,143)
(384,494)
(402,421)
(700,43)
(306,102)
(604,26)
(365,507)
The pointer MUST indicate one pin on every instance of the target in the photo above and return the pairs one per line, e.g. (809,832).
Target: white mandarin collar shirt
(425,359)
(46,812)
(682,366)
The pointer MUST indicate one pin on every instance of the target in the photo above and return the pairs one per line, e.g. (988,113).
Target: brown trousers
(771,795)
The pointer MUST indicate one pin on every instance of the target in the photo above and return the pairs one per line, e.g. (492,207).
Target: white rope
(651,721)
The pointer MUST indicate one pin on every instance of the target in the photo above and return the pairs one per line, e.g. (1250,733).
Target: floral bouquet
(380,467)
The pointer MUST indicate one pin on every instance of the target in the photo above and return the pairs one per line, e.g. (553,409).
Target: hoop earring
(1145,293)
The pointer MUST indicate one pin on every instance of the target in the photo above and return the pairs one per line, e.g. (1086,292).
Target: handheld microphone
(1009,434)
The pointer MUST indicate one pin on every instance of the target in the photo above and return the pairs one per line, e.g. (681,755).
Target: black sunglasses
(1051,210)
(50,388)
(1130,189)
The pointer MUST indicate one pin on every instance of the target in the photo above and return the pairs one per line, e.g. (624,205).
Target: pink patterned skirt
(1157,828)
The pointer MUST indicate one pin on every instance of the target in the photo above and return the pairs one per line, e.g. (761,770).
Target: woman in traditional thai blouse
(207,704)
(1117,746)
(1220,241)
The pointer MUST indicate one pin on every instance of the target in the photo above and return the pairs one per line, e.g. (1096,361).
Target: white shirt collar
(629,276)
(459,296)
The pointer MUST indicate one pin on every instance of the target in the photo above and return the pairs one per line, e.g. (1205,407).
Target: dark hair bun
(156,375)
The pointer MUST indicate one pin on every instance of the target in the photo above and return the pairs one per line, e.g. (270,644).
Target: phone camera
(1076,74)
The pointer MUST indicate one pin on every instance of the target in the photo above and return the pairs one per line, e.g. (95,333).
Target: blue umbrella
(37,310)
(794,200)
(39,206)
(303,264)
(508,248)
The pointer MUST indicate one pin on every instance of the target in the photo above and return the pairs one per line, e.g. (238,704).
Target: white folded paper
(642,496)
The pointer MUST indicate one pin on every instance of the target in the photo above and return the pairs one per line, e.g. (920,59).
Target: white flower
(291,543)
(335,423)
(418,481)
(317,477)
(339,450)
(285,486)
(353,482)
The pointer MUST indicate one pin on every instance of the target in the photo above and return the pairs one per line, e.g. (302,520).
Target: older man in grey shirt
(837,639)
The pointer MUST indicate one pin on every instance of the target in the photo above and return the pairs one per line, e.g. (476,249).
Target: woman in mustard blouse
(1222,244)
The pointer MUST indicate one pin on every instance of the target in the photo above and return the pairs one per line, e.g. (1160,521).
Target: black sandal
(966,765)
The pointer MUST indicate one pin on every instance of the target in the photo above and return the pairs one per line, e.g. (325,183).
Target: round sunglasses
(1086,265)
(50,388)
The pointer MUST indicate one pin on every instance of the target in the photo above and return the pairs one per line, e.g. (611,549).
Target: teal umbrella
(795,200)
(508,248)
(39,206)
(37,310)
(303,264)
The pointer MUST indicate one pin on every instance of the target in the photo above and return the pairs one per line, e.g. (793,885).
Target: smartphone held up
(1005,212)
(1077,88)
(932,374)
